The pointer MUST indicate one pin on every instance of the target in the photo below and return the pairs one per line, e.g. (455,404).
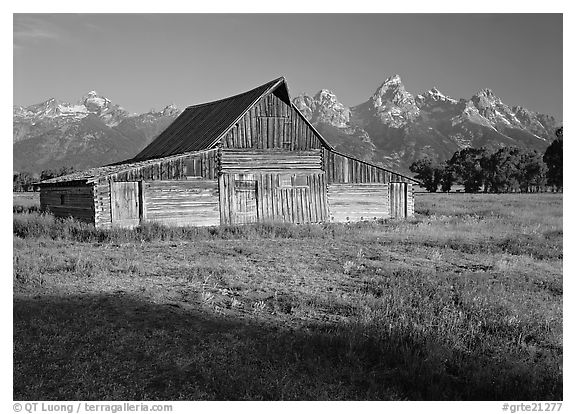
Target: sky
(147,61)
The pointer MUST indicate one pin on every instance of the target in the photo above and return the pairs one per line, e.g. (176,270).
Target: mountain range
(92,132)
(392,128)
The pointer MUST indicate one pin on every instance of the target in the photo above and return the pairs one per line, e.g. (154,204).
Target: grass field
(462,302)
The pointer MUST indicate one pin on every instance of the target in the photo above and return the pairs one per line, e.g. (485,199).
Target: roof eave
(376,166)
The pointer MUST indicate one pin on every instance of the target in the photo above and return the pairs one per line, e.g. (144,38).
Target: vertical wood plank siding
(125,203)
(401,200)
(410,200)
(271,124)
(69,201)
(205,165)
(293,197)
(102,204)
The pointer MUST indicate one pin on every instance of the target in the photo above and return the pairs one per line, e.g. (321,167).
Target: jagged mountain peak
(393,83)
(517,109)
(485,97)
(393,90)
(325,93)
(170,110)
(433,96)
(94,98)
(393,80)
(487,92)
(323,107)
(391,103)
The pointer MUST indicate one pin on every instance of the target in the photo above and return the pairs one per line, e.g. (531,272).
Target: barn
(252,157)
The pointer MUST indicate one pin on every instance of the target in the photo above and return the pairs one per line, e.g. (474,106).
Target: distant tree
(53,173)
(428,173)
(467,165)
(503,170)
(447,178)
(22,181)
(553,159)
(532,170)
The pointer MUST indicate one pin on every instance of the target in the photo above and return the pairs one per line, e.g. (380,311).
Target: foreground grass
(463,302)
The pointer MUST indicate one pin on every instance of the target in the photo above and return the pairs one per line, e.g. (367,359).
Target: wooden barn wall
(249,160)
(401,200)
(69,201)
(203,165)
(358,201)
(294,197)
(272,124)
(410,201)
(102,204)
(343,169)
(181,203)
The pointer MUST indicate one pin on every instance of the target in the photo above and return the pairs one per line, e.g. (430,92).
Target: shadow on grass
(120,347)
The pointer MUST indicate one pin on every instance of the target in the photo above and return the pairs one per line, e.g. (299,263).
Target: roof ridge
(272,82)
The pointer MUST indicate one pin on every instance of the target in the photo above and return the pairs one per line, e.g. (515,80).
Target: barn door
(125,203)
(398,198)
(245,199)
(294,199)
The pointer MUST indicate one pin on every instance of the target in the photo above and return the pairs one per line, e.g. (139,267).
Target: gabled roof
(201,126)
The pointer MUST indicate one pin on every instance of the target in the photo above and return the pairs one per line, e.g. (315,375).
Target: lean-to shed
(248,158)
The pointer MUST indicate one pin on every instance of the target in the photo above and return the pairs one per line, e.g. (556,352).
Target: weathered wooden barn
(248,158)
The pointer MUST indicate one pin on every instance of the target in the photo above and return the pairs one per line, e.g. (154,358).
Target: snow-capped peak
(487,93)
(325,96)
(93,99)
(170,110)
(91,103)
(323,107)
(391,87)
(436,92)
(394,79)
(434,95)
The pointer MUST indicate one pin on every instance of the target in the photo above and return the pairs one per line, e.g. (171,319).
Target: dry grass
(462,302)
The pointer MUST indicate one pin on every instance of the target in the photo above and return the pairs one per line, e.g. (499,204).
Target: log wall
(358,201)
(251,160)
(69,201)
(181,203)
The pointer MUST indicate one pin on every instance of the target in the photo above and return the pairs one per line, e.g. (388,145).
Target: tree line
(508,169)
(24,181)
